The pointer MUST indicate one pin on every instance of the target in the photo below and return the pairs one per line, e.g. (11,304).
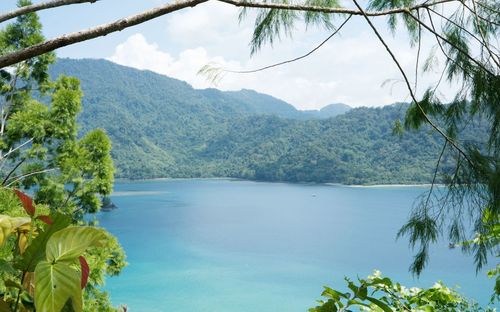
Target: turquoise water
(223,245)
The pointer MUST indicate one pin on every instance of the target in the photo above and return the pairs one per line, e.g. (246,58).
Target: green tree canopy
(42,152)
(465,34)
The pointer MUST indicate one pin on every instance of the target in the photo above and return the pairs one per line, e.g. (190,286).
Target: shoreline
(383,185)
(394,185)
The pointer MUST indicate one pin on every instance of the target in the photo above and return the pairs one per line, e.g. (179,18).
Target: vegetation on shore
(163,128)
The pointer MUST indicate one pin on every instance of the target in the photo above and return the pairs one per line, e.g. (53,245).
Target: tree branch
(483,43)
(38,7)
(481,33)
(94,32)
(22,176)
(118,25)
(12,150)
(435,175)
(442,48)
(478,63)
(487,7)
(418,53)
(452,183)
(335,10)
(12,171)
(479,16)
(294,59)
(408,85)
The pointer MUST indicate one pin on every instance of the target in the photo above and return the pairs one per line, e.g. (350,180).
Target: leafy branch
(214,73)
(120,24)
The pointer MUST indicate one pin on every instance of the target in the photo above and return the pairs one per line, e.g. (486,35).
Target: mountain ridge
(328,111)
(162,127)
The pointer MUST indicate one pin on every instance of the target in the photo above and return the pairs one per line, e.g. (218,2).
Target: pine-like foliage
(465,35)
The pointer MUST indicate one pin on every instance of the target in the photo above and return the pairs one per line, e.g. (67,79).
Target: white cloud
(214,26)
(349,69)
(137,52)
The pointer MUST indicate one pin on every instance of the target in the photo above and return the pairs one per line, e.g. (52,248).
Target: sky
(351,68)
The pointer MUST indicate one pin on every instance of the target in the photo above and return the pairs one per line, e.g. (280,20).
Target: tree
(41,152)
(466,40)
(465,35)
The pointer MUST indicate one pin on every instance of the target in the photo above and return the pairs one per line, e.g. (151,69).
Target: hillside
(162,127)
(328,111)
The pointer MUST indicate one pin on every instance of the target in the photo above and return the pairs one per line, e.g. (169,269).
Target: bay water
(230,245)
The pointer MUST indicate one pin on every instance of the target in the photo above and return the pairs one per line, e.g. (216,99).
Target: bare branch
(38,7)
(22,176)
(12,150)
(94,32)
(12,171)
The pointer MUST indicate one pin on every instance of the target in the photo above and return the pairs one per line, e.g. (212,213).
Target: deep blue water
(223,245)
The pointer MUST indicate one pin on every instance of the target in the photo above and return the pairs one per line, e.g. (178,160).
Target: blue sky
(350,68)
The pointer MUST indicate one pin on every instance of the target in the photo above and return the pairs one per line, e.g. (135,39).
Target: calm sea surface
(223,245)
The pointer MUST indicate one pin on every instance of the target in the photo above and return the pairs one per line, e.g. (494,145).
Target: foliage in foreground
(466,53)
(466,39)
(67,173)
(45,259)
(381,294)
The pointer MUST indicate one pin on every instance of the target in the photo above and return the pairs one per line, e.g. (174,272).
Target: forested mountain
(162,127)
(328,111)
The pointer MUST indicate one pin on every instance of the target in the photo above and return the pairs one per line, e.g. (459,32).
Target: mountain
(263,104)
(328,111)
(162,127)
(333,110)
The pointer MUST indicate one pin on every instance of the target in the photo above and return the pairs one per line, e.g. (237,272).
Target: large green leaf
(55,284)
(56,281)
(36,250)
(70,243)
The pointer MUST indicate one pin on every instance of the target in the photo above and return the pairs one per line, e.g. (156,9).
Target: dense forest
(162,127)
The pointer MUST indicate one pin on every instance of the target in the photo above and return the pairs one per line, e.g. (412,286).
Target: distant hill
(333,110)
(263,104)
(162,127)
(328,111)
